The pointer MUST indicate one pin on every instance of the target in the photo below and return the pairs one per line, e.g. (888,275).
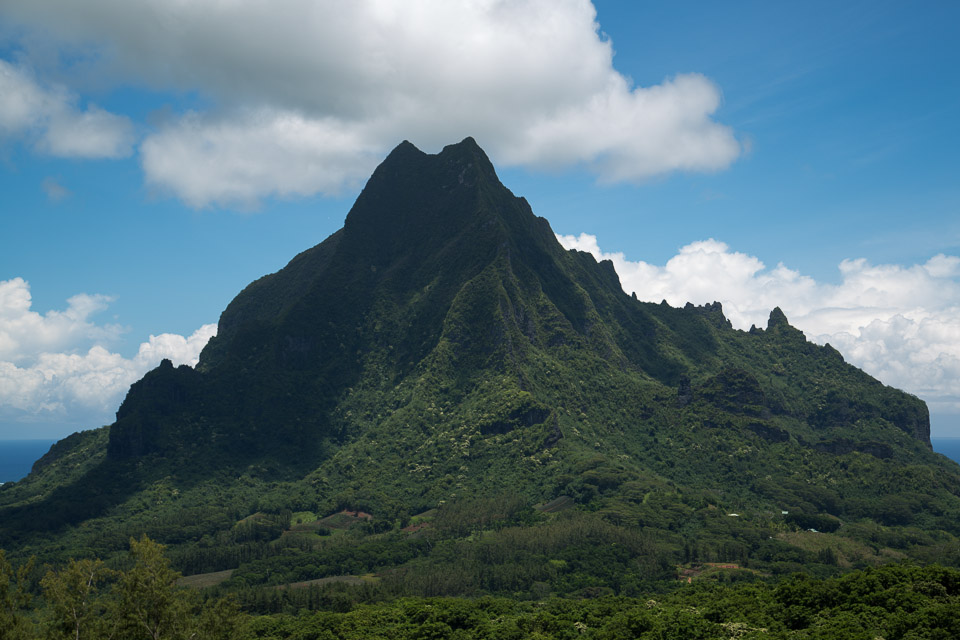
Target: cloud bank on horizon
(307,99)
(900,324)
(57,367)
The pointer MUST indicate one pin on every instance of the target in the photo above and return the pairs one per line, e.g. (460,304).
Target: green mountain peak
(442,347)
(440,270)
(777,319)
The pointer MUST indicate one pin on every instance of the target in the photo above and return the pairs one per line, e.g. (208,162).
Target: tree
(77,604)
(14,599)
(220,619)
(149,604)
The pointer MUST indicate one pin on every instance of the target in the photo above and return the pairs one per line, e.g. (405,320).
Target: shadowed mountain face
(436,253)
(443,344)
(428,234)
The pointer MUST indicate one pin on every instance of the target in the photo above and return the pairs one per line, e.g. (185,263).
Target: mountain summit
(443,346)
(445,323)
(437,262)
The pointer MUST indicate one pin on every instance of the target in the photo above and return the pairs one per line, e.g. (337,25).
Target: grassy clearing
(848,552)
(368,578)
(555,505)
(303,517)
(204,580)
(343,520)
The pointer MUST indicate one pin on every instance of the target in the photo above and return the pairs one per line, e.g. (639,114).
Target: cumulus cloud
(24,332)
(50,119)
(235,162)
(899,323)
(93,133)
(325,87)
(56,367)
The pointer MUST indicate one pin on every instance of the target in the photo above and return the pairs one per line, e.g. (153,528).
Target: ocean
(949,447)
(17,456)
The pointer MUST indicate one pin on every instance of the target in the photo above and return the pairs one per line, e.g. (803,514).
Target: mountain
(443,350)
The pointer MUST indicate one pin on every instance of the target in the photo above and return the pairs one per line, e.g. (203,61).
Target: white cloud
(20,100)
(899,323)
(323,87)
(50,118)
(93,133)
(235,162)
(627,134)
(55,366)
(24,333)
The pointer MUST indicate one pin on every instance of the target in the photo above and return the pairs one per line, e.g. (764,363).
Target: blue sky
(156,159)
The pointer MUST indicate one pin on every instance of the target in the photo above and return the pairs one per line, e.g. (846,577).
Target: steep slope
(438,266)
(443,347)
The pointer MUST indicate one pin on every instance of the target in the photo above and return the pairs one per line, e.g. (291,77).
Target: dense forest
(88,599)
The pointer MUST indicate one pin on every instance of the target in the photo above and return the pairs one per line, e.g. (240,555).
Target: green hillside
(439,400)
